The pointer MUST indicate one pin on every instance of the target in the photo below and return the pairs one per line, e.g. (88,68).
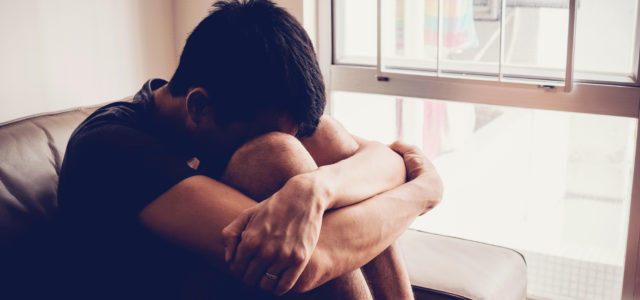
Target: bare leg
(260,168)
(352,285)
(388,276)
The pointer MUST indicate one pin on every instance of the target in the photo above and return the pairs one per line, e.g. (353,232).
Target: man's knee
(262,166)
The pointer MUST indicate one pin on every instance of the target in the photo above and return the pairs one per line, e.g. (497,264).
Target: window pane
(409,34)
(605,38)
(356,31)
(553,185)
(470,35)
(536,38)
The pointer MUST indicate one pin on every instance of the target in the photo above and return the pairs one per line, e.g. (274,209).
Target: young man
(230,166)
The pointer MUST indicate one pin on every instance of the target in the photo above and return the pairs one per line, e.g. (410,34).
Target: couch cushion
(31,153)
(458,268)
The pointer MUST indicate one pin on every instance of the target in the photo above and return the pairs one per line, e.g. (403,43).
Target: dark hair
(252,56)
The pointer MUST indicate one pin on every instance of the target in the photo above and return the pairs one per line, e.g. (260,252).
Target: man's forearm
(373,169)
(352,169)
(354,235)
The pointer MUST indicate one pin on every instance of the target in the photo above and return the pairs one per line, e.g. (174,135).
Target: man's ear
(197,101)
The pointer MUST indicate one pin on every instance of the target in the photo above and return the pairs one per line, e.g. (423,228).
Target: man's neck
(169,109)
(170,117)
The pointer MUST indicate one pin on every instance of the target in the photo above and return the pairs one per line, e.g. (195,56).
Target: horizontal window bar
(585,98)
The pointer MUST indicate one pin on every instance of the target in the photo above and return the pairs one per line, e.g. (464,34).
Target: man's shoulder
(109,123)
(109,147)
(95,149)
(117,113)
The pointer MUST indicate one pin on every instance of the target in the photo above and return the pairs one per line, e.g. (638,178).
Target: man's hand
(270,244)
(421,172)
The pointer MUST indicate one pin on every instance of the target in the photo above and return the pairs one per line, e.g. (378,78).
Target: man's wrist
(321,184)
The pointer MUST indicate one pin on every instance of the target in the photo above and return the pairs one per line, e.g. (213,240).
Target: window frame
(602,98)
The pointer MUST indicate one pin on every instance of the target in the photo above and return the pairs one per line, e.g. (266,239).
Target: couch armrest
(441,266)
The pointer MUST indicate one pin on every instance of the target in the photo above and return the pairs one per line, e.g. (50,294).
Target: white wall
(64,53)
(59,54)
(187,14)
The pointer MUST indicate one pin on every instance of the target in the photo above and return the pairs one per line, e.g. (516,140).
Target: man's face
(216,141)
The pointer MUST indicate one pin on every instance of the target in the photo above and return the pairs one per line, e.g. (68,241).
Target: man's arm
(252,237)
(292,217)
(194,212)
(352,169)
(371,228)
(386,273)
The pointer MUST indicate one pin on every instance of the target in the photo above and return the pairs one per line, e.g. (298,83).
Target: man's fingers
(256,270)
(230,242)
(400,147)
(403,148)
(244,252)
(268,284)
(231,235)
(288,279)
(415,161)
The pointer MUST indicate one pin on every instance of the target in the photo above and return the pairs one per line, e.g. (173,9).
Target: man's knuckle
(416,159)
(268,251)
(283,253)
(298,256)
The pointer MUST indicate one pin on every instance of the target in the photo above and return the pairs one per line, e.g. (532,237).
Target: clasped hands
(270,244)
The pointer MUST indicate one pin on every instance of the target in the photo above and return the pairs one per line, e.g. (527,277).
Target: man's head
(248,68)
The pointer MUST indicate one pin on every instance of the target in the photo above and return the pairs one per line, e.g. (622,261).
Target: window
(532,126)
(531,40)
(552,185)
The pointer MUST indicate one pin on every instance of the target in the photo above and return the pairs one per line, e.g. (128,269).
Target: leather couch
(31,153)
